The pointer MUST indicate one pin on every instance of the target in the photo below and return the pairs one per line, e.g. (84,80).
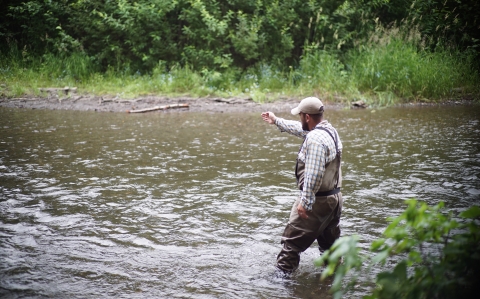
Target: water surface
(191,205)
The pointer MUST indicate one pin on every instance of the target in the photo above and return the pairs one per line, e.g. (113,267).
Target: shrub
(436,256)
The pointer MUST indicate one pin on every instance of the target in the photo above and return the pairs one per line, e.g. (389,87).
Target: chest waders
(323,221)
(332,177)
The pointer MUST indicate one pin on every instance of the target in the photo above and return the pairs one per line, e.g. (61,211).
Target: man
(315,214)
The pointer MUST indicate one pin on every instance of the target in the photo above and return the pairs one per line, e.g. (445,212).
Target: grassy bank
(384,71)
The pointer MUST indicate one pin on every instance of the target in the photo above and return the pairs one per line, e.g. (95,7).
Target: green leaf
(414,257)
(377,244)
(473,212)
(381,256)
(322,259)
(400,271)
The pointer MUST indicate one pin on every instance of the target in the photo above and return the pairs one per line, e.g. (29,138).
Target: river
(192,205)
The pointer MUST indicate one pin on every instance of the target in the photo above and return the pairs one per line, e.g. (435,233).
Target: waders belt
(327,193)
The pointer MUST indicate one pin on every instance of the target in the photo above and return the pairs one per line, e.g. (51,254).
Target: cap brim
(295,111)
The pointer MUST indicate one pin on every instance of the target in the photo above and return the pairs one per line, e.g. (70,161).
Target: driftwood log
(359,104)
(65,89)
(158,108)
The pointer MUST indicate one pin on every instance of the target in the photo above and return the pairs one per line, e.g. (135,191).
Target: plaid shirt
(317,150)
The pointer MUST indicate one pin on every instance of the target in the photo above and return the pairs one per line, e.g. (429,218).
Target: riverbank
(97,103)
(370,75)
(115,104)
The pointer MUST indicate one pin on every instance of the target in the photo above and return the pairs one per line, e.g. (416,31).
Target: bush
(436,256)
(209,34)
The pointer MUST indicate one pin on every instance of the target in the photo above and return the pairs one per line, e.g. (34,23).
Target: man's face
(303,120)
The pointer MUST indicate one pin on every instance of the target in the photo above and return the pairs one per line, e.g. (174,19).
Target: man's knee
(329,236)
(334,233)
(296,239)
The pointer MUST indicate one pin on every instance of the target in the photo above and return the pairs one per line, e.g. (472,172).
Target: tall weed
(323,72)
(24,73)
(394,62)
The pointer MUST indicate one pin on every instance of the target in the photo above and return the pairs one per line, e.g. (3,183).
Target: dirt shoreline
(112,104)
(77,102)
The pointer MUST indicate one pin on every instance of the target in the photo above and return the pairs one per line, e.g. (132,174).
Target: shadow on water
(189,205)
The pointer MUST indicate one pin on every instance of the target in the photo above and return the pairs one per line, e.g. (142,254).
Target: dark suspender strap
(296,168)
(336,144)
(336,190)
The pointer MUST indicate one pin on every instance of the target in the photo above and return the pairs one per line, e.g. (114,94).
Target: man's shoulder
(323,129)
(322,133)
(317,135)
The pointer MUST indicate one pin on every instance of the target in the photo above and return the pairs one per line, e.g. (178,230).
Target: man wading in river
(316,213)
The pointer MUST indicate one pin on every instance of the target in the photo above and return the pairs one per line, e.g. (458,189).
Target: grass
(399,69)
(388,69)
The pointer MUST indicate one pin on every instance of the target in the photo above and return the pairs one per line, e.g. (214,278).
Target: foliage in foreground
(436,256)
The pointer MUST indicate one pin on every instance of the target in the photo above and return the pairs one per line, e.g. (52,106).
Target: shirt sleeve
(291,126)
(314,171)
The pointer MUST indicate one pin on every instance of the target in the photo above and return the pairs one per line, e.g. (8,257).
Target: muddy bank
(209,104)
(112,104)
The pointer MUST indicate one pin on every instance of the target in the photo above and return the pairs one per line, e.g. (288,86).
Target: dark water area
(192,205)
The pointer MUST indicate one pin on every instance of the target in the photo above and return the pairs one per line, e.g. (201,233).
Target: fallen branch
(158,108)
(232,101)
(21,99)
(65,89)
(229,101)
(359,104)
(78,98)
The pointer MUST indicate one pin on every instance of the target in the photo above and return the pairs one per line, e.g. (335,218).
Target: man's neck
(314,124)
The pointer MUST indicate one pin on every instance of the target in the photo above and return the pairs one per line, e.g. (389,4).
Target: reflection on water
(190,205)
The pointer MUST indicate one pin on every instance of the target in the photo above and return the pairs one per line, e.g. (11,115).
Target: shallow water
(190,205)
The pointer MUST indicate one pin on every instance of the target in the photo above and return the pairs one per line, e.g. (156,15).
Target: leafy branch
(410,240)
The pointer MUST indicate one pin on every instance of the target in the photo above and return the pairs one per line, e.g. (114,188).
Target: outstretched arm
(290,126)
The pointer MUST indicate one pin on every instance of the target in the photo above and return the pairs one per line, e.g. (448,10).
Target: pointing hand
(269,117)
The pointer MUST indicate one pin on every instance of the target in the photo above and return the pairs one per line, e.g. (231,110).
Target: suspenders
(335,189)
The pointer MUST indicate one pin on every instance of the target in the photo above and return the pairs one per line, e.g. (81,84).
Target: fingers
(268,117)
(303,215)
(302,212)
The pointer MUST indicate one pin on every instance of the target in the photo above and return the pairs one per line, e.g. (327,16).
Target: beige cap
(310,105)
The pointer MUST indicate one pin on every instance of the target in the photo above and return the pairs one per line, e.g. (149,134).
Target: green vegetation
(381,51)
(434,256)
